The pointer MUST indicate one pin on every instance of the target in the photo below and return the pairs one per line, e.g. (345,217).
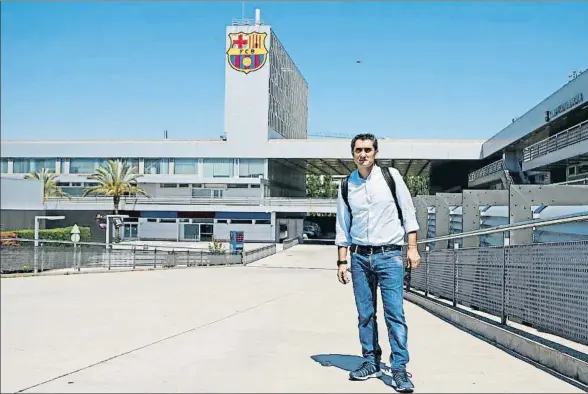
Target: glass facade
(211,167)
(24,166)
(156,166)
(218,168)
(85,166)
(186,166)
(4,166)
(251,168)
(288,91)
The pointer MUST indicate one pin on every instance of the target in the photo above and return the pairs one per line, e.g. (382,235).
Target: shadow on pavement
(348,363)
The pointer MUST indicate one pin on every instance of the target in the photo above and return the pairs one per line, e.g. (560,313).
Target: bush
(55,234)
(5,238)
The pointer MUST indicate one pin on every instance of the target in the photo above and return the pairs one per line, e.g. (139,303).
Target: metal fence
(289,242)
(257,254)
(541,285)
(56,256)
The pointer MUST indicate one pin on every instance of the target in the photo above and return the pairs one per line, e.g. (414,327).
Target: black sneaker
(365,371)
(401,381)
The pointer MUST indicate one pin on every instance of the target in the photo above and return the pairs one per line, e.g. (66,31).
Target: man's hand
(342,274)
(414,259)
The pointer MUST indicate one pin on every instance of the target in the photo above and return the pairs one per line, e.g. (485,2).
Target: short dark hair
(363,137)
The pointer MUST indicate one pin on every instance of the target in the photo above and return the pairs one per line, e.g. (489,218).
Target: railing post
(504,259)
(427,250)
(134,257)
(109,256)
(455,257)
(154,257)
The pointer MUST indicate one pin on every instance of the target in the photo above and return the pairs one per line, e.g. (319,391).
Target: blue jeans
(388,269)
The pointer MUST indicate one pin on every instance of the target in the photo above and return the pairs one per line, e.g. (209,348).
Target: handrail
(509,227)
(474,233)
(268,201)
(488,169)
(574,134)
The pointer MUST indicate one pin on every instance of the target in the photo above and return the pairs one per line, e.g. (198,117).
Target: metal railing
(20,256)
(486,170)
(238,201)
(257,254)
(289,242)
(561,140)
(581,181)
(541,285)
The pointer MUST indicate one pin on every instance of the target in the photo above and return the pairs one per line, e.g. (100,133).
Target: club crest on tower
(247,51)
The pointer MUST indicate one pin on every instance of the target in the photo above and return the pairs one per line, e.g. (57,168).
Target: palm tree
(50,187)
(116,179)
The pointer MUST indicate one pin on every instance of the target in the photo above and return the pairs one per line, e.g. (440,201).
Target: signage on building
(247,52)
(563,107)
(237,241)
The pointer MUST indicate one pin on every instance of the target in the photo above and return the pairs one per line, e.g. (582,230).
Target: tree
(320,186)
(50,187)
(115,179)
(417,185)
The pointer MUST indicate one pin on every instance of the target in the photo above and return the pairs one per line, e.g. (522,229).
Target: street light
(36,236)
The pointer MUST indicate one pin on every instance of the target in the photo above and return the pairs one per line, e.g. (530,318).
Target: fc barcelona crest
(247,51)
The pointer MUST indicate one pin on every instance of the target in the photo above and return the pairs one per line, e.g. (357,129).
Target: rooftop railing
(561,140)
(486,170)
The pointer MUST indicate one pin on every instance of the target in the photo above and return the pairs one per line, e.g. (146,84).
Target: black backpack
(391,184)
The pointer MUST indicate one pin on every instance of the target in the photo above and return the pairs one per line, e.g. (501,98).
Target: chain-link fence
(19,256)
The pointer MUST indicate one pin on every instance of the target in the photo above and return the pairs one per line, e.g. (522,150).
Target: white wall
(159,231)
(246,119)
(253,232)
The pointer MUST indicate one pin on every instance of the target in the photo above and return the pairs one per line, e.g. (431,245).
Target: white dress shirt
(375,220)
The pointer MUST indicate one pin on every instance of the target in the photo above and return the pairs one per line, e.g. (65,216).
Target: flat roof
(287,149)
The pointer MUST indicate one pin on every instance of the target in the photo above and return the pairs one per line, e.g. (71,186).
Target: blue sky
(75,70)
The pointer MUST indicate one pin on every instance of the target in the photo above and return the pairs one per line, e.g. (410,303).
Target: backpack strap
(392,185)
(345,195)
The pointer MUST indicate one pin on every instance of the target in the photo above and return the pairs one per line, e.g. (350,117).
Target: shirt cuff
(411,226)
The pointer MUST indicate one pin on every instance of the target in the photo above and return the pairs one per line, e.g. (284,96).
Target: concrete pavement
(267,327)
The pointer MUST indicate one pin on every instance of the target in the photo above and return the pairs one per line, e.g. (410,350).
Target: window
(571,170)
(84,166)
(168,185)
(237,186)
(259,221)
(132,162)
(156,166)
(23,166)
(583,169)
(186,166)
(251,168)
(218,168)
(4,168)
(241,221)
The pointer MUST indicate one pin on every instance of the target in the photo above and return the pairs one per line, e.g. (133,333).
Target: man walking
(374,212)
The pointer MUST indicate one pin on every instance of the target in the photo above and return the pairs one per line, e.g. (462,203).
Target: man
(373,234)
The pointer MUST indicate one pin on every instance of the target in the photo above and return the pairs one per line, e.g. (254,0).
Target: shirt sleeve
(405,202)
(342,237)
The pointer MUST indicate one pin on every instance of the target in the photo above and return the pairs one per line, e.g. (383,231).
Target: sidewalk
(227,329)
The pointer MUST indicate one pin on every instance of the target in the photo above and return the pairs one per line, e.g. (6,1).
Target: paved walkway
(263,328)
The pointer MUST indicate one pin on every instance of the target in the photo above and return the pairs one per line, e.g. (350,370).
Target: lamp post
(36,236)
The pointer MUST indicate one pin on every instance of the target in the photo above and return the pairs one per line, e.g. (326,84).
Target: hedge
(54,234)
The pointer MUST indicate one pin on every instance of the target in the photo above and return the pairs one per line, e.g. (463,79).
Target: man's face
(364,154)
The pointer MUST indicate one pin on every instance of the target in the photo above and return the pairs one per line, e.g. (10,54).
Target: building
(253,177)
